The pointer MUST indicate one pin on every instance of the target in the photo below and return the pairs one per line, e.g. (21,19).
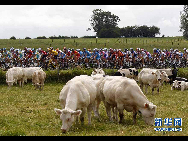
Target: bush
(183,72)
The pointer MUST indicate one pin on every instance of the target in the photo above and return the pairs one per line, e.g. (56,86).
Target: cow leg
(141,86)
(82,116)
(158,90)
(146,88)
(96,108)
(20,83)
(108,110)
(120,109)
(152,90)
(89,109)
(134,116)
(115,112)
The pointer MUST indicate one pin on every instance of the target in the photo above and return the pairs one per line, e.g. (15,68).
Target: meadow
(29,112)
(122,43)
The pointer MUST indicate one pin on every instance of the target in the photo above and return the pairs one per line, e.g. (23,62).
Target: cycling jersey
(54,52)
(97,55)
(87,54)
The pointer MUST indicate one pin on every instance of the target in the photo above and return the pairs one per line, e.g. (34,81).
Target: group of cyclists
(66,58)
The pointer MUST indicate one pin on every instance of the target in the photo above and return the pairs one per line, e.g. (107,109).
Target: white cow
(97,71)
(184,85)
(13,75)
(38,79)
(164,77)
(28,72)
(151,77)
(76,97)
(124,93)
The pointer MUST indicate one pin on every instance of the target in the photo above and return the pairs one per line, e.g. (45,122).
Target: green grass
(146,43)
(29,112)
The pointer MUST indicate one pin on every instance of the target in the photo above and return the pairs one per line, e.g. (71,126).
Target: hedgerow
(62,76)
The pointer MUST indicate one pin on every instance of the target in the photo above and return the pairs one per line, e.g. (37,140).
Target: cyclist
(86,55)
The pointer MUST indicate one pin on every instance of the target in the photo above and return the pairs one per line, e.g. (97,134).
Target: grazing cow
(28,72)
(184,85)
(38,79)
(151,77)
(13,75)
(76,97)
(124,93)
(179,85)
(176,85)
(130,73)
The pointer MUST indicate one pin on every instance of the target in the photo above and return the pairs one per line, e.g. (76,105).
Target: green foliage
(103,20)
(183,72)
(139,31)
(13,38)
(184,21)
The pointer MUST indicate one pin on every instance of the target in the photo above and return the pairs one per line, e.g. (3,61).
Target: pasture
(29,112)
(122,43)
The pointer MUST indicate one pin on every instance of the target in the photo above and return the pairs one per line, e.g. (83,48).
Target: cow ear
(153,73)
(58,111)
(77,113)
(146,105)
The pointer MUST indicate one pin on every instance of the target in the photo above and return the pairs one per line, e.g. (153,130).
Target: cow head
(157,74)
(67,116)
(164,76)
(148,113)
(176,84)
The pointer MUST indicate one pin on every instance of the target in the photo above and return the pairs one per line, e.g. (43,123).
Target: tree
(103,20)
(13,38)
(109,33)
(184,21)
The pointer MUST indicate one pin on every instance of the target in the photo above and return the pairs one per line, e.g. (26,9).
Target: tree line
(105,24)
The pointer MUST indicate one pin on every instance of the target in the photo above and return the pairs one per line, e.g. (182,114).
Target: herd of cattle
(84,93)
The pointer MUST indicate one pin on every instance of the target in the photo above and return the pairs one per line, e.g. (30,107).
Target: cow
(184,85)
(38,78)
(97,71)
(28,72)
(176,85)
(124,93)
(164,77)
(151,77)
(179,85)
(76,97)
(13,75)
(130,73)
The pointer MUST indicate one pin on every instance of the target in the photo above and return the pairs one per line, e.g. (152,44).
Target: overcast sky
(73,20)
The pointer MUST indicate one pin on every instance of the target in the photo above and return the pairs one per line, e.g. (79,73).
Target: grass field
(146,43)
(25,111)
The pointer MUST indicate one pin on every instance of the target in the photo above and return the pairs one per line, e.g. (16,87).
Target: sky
(72,20)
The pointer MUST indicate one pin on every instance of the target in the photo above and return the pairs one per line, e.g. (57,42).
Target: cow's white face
(98,71)
(148,113)
(67,117)
(164,76)
(157,74)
